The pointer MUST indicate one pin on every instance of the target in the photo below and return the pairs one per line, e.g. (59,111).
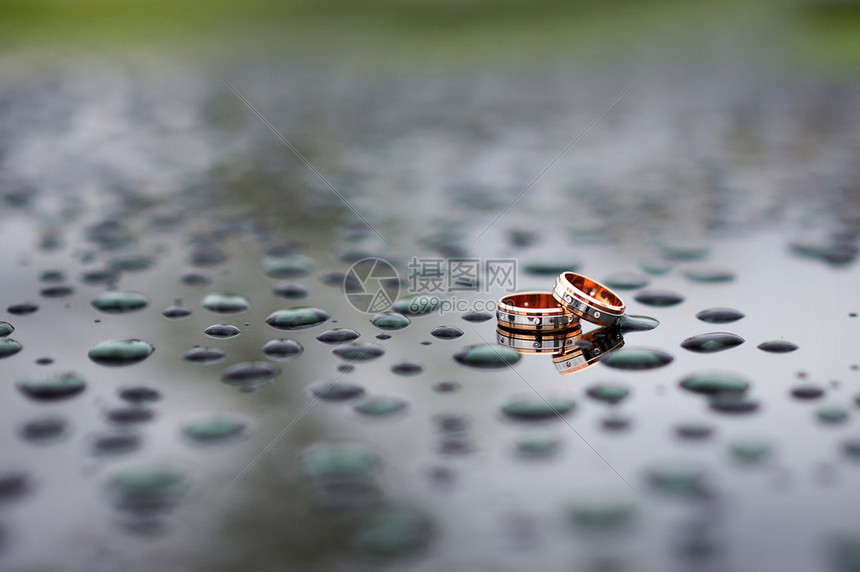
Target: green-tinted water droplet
(637,359)
(339,461)
(338,336)
(659,298)
(679,481)
(120,352)
(712,383)
(538,447)
(832,414)
(533,407)
(777,346)
(381,405)
(656,266)
(358,352)
(217,428)
(750,451)
(287,266)
(720,315)
(282,350)
(418,305)
(120,302)
(550,267)
(52,388)
(9,347)
(393,533)
(709,274)
(684,248)
(225,303)
(632,323)
(487,356)
(297,318)
(390,321)
(608,392)
(132,262)
(446,332)
(626,281)
(712,342)
(205,356)
(601,514)
(5,329)
(248,376)
(147,489)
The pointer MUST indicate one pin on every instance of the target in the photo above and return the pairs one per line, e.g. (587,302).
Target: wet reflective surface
(326,438)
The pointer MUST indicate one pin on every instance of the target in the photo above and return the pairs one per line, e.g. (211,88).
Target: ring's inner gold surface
(532,301)
(593,289)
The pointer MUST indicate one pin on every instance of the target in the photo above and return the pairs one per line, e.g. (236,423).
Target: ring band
(534,311)
(531,343)
(588,350)
(588,299)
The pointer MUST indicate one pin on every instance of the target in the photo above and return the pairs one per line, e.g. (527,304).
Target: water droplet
(851,448)
(713,383)
(534,408)
(130,415)
(538,447)
(204,355)
(550,268)
(637,359)
(176,312)
(709,274)
(807,391)
(338,336)
(407,368)
(290,291)
(393,533)
(248,376)
(57,291)
(608,392)
(120,352)
(712,342)
(147,490)
(418,305)
(207,255)
(720,315)
(222,331)
(22,309)
(100,276)
(446,332)
(832,414)
(44,430)
(656,266)
(659,298)
(13,485)
(194,278)
(297,318)
(287,266)
(750,451)
(9,347)
(336,390)
(487,356)
(52,388)
(390,321)
(679,481)
(446,387)
(601,514)
(685,248)
(131,262)
(633,323)
(832,252)
(777,346)
(225,303)
(339,462)
(626,281)
(381,405)
(139,394)
(282,349)
(116,443)
(358,352)
(733,403)
(477,317)
(52,276)
(693,431)
(616,422)
(215,429)
(120,302)
(5,329)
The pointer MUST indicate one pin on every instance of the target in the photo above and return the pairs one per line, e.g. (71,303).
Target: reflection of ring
(588,299)
(534,343)
(534,311)
(588,350)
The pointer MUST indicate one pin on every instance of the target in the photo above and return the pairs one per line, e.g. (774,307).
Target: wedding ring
(588,299)
(534,311)
(588,350)
(532,343)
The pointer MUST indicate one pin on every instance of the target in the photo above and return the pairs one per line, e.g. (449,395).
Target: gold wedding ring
(534,312)
(588,299)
